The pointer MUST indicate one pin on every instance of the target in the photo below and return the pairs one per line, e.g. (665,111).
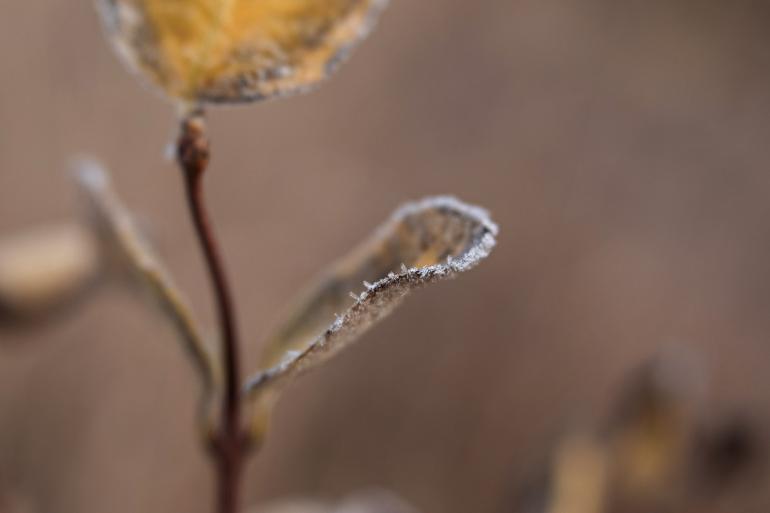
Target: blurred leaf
(129,253)
(580,476)
(44,270)
(236,50)
(653,425)
(373,501)
(424,242)
(655,453)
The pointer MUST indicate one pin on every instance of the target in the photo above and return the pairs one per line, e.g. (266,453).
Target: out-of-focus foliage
(44,270)
(129,253)
(655,454)
(362,502)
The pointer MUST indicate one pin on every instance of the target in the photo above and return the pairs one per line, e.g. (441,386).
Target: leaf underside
(424,242)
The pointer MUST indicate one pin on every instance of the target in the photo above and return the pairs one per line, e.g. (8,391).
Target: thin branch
(193,157)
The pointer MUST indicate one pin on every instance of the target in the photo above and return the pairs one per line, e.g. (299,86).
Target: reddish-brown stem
(193,157)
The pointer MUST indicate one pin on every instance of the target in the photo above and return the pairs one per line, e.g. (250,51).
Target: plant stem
(193,157)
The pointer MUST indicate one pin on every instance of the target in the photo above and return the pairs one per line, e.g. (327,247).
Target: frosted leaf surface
(424,242)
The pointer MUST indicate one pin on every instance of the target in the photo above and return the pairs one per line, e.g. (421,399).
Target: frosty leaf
(424,242)
(236,50)
(124,246)
(45,269)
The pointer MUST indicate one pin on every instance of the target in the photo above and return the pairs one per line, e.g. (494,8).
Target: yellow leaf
(236,50)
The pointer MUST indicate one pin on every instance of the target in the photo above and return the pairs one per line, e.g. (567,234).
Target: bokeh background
(621,146)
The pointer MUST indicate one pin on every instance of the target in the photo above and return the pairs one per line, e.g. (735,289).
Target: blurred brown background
(621,146)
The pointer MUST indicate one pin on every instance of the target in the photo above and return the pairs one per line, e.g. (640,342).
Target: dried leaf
(124,246)
(374,501)
(639,459)
(45,269)
(580,475)
(236,50)
(654,423)
(293,506)
(424,242)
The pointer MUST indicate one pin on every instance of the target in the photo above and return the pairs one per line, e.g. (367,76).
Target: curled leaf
(128,251)
(236,50)
(424,242)
(45,269)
